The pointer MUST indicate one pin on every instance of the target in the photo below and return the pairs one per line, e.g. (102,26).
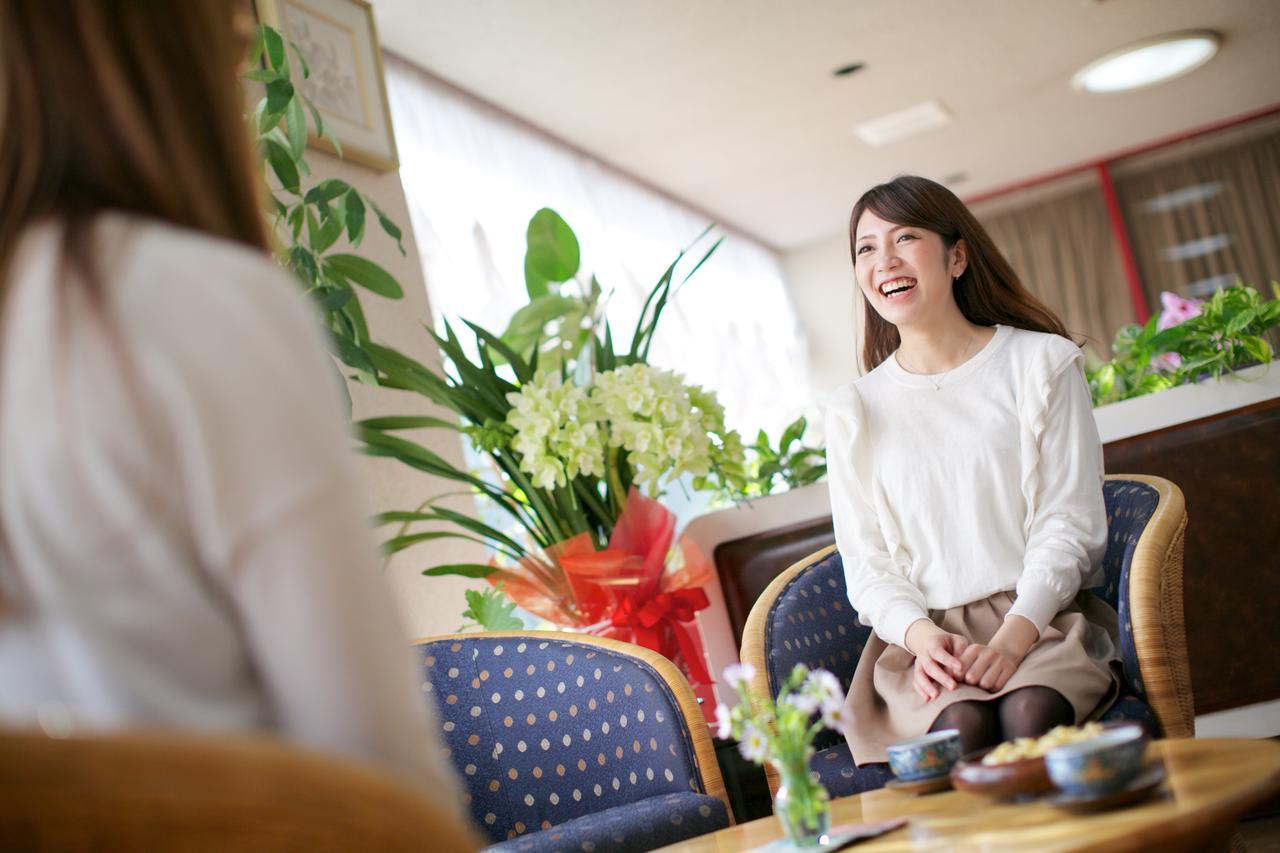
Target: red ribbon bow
(640,589)
(663,623)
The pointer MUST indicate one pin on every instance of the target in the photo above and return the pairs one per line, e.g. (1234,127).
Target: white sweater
(178,494)
(993,483)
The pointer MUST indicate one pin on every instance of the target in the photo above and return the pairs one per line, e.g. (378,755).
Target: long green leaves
(309,221)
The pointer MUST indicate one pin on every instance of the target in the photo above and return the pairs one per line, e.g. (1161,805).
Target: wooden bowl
(1002,781)
(1027,777)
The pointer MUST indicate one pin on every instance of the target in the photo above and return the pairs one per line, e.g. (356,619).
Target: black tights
(1026,712)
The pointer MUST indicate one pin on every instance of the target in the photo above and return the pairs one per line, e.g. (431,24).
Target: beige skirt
(1076,656)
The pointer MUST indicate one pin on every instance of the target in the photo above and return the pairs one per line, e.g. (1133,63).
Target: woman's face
(905,272)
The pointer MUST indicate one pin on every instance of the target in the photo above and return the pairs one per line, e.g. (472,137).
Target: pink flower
(1177,310)
(1166,362)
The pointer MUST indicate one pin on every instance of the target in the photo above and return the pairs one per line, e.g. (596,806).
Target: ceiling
(732,107)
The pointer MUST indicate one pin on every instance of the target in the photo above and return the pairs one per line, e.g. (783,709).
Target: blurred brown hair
(987,292)
(121,105)
(125,105)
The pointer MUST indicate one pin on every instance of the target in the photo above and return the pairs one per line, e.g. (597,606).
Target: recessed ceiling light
(846,70)
(1148,62)
(903,124)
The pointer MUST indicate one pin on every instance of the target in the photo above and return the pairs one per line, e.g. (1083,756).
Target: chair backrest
(804,616)
(168,791)
(1146,524)
(546,727)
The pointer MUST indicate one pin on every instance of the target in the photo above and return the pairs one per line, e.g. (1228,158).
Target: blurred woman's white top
(184,531)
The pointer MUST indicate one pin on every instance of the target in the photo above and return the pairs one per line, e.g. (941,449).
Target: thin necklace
(937,383)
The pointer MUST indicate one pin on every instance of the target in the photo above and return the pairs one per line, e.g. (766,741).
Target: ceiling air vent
(902,124)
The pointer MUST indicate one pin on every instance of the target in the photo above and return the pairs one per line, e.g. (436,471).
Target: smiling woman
(966,490)
(976,278)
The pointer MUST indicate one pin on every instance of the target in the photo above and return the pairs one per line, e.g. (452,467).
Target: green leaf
(353,356)
(262,75)
(491,610)
(528,322)
(393,230)
(553,252)
(282,164)
(394,422)
(327,235)
(355,314)
(256,46)
(354,208)
(791,434)
(332,298)
(326,190)
(302,60)
(317,123)
(274,45)
(297,217)
(488,340)
(365,273)
(466,570)
(1257,348)
(396,544)
(534,283)
(279,95)
(296,122)
(1241,321)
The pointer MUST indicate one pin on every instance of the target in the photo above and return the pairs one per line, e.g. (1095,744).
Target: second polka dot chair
(804,616)
(572,742)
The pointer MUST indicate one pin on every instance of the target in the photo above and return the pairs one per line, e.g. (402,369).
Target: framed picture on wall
(339,41)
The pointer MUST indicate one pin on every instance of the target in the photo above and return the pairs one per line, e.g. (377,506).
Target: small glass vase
(802,805)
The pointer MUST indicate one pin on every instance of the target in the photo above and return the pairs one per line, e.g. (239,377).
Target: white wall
(427,605)
(820,279)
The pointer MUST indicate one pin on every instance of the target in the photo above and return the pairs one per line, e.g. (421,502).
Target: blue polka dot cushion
(1131,709)
(1130,505)
(813,623)
(548,732)
(837,772)
(648,824)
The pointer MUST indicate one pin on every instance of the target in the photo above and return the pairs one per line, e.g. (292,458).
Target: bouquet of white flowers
(584,440)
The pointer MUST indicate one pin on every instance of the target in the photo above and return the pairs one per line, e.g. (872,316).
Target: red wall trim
(1140,310)
(1122,153)
(1137,295)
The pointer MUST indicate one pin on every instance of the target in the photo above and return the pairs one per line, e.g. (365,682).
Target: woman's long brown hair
(123,105)
(987,292)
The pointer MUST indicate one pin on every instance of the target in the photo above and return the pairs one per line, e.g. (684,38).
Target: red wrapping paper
(639,589)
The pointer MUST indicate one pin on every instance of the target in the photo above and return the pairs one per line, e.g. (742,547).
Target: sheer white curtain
(474,177)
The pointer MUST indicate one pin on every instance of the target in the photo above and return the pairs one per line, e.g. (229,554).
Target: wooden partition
(1228,467)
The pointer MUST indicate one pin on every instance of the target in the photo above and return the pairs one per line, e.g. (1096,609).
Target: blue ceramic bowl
(1100,765)
(926,756)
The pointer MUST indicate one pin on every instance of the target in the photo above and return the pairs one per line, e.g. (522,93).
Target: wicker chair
(569,741)
(804,616)
(145,791)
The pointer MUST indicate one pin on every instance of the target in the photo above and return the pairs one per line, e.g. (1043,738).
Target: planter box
(1220,442)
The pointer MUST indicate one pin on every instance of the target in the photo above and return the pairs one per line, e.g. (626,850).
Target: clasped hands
(946,660)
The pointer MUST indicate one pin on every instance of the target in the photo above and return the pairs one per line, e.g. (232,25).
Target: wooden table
(1210,784)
